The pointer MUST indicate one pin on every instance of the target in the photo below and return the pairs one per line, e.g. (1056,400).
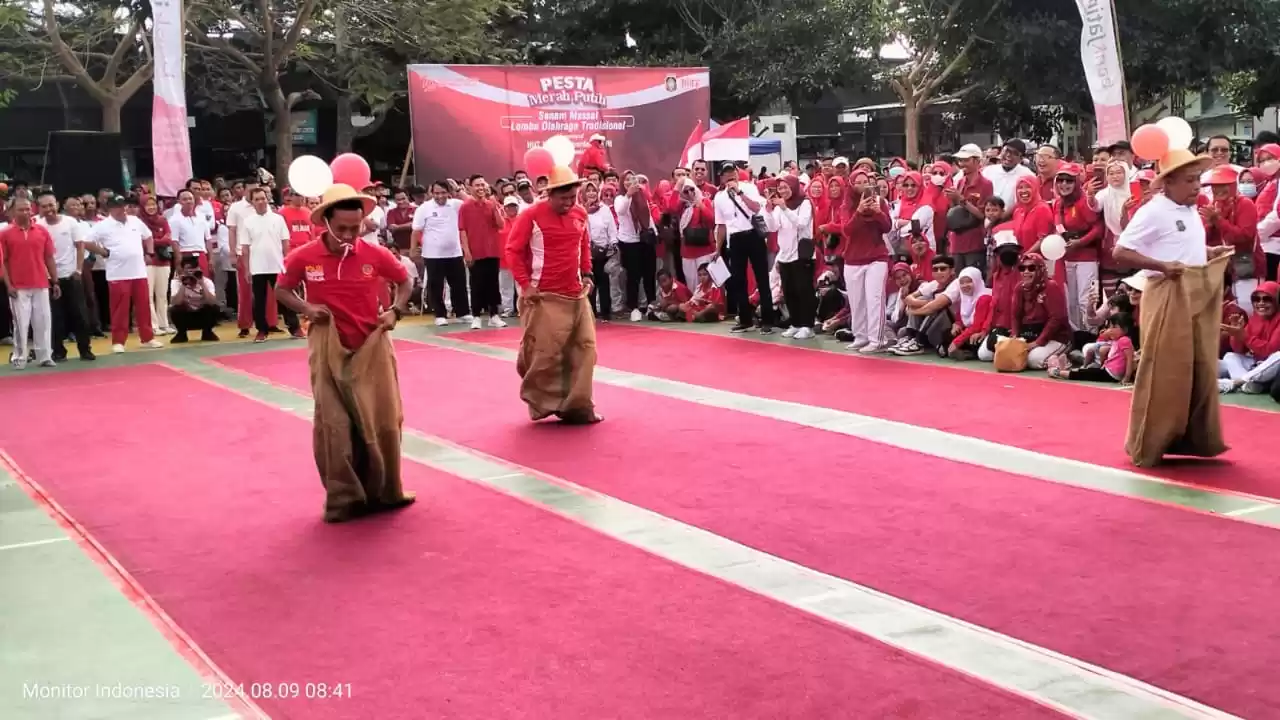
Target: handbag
(1011,355)
(758,225)
(696,237)
(1242,265)
(806,249)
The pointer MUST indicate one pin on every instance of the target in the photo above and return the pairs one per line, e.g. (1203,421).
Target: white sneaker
(804,333)
(477,323)
(872,349)
(636,316)
(442,321)
(858,344)
(153,343)
(117,349)
(171,330)
(159,331)
(790,332)
(466,319)
(496,322)
(1225,385)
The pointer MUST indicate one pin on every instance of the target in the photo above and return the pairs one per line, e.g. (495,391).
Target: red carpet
(1067,420)
(469,605)
(1179,599)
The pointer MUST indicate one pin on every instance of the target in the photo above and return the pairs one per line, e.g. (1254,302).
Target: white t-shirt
(929,289)
(123,240)
(727,213)
(191,233)
(601,228)
(439,226)
(237,212)
(1166,231)
(379,219)
(265,235)
(410,268)
(67,232)
(1004,183)
(627,230)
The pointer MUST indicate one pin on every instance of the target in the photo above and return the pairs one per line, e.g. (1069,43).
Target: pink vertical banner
(1100,54)
(170,140)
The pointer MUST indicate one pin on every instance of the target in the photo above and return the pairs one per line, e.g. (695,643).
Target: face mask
(1248,190)
(1008,259)
(938,180)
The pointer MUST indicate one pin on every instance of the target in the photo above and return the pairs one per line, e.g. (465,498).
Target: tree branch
(221,45)
(932,85)
(299,22)
(122,47)
(269,63)
(926,57)
(136,81)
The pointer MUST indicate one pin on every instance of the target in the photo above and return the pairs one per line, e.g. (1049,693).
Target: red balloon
(1150,142)
(351,169)
(538,161)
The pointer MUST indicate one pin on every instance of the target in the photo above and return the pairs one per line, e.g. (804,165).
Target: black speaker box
(83,162)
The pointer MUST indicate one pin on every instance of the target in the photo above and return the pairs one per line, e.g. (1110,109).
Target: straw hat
(1177,160)
(561,177)
(336,193)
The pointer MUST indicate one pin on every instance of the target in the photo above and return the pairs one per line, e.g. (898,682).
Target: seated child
(1117,361)
(671,294)
(707,303)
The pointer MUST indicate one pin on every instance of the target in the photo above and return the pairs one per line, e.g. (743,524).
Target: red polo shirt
(550,249)
(26,254)
(478,219)
(401,216)
(976,191)
(346,283)
(299,221)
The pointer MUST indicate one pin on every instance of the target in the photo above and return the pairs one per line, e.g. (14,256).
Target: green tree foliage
(100,45)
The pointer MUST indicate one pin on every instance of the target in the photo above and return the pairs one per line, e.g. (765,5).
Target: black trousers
(797,291)
(70,316)
(102,294)
(749,247)
(232,289)
(260,284)
(640,262)
(601,294)
(203,318)
(6,313)
(485,296)
(454,271)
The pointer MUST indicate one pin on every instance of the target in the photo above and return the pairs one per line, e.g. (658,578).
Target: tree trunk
(282,131)
(911,128)
(111,115)
(346,132)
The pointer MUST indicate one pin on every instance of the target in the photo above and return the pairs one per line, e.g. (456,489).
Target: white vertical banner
(170,140)
(1100,54)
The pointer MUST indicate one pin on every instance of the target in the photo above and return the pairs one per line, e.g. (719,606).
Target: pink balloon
(1150,142)
(351,169)
(538,161)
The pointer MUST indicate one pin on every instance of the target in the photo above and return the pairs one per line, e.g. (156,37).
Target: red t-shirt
(401,216)
(478,219)
(299,221)
(559,244)
(975,191)
(346,283)
(26,255)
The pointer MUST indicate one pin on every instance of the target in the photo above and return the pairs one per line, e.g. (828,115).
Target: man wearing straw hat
(549,253)
(1175,408)
(354,385)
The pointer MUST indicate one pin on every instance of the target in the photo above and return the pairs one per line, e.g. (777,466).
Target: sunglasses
(1262,299)
(908,185)
(941,268)
(1027,268)
(1219,151)
(1067,180)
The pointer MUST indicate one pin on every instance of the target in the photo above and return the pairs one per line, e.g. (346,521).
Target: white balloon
(1179,132)
(561,149)
(1053,248)
(309,176)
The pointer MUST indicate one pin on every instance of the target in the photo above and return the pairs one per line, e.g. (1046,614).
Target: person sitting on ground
(1094,352)
(1254,360)
(1117,360)
(415,295)
(904,283)
(833,309)
(707,303)
(929,311)
(974,319)
(193,303)
(671,295)
(1040,315)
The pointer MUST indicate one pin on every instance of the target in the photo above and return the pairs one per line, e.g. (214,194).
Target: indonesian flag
(731,141)
(691,150)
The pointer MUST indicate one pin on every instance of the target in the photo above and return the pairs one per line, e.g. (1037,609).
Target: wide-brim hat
(562,177)
(1175,160)
(338,192)
(1137,281)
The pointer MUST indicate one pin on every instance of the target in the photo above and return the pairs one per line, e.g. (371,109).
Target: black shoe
(178,338)
(766,330)
(243,333)
(88,356)
(99,334)
(209,336)
(274,330)
(739,328)
(59,356)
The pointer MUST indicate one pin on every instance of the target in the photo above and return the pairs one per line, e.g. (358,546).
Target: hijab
(1113,201)
(686,215)
(908,206)
(911,286)
(969,303)
(155,222)
(797,196)
(1041,278)
(597,204)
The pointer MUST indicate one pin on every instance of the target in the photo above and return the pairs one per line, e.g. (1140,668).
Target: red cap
(1071,169)
(1146,175)
(1271,149)
(1222,175)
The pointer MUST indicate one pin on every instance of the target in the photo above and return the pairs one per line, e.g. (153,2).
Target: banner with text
(170,140)
(482,118)
(1100,53)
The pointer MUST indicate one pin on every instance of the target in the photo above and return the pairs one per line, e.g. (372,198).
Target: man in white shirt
(1175,401)
(636,243)
(192,233)
(436,239)
(263,237)
(735,206)
(235,214)
(1004,176)
(70,314)
(125,244)
(375,223)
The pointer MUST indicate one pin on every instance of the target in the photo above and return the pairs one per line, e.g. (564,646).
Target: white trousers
(1243,290)
(1244,367)
(507,290)
(31,313)
(158,289)
(1038,356)
(866,287)
(690,266)
(1080,278)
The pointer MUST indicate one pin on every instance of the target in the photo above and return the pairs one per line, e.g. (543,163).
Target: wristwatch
(399,313)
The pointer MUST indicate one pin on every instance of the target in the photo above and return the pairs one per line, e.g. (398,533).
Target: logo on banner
(567,90)
(672,86)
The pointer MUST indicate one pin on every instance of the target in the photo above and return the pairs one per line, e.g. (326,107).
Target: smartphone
(1135,189)
(915,227)
(1100,174)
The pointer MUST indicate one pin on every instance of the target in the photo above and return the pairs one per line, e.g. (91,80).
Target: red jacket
(559,242)
(1261,335)
(1237,225)
(862,236)
(1004,295)
(592,158)
(981,324)
(1049,307)
(1078,217)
